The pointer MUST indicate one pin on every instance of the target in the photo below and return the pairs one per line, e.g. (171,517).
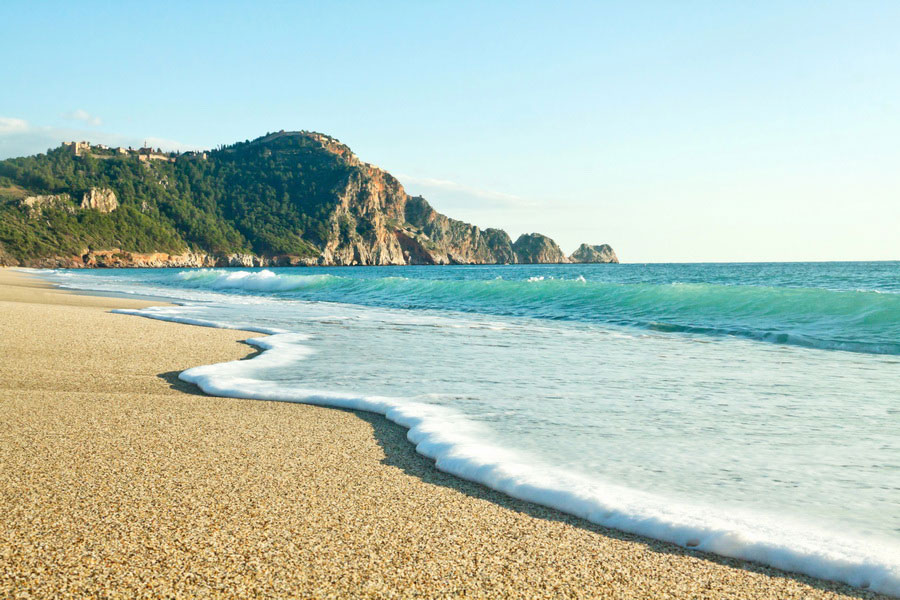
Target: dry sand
(117,480)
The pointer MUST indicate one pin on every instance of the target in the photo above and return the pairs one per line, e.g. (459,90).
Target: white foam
(462,448)
(255,281)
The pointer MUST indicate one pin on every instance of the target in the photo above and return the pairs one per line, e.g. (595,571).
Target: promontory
(284,199)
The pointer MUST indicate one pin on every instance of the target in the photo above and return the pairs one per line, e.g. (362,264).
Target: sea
(747,410)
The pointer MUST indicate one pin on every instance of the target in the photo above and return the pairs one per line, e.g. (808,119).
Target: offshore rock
(536,248)
(602,253)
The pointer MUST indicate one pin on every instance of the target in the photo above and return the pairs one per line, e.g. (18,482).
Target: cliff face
(586,253)
(118,258)
(369,206)
(432,238)
(537,248)
(35,205)
(288,198)
(100,199)
(374,222)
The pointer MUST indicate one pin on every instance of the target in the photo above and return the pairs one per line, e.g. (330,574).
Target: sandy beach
(118,480)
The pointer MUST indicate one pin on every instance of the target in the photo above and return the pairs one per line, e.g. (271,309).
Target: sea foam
(464,449)
(847,320)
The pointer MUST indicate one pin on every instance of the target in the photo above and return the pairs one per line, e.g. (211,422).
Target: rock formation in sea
(602,253)
(538,248)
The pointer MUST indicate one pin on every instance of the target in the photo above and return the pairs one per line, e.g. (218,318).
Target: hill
(288,198)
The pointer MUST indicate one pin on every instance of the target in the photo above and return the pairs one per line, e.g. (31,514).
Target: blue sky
(675,131)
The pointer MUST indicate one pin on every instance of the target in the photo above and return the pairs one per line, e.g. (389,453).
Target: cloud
(79,114)
(10,125)
(498,198)
(18,137)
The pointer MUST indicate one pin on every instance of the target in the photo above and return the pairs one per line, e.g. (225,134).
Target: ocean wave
(856,321)
(251,281)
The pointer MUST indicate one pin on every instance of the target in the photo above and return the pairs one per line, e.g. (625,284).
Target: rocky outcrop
(376,223)
(35,205)
(100,199)
(440,240)
(117,258)
(364,219)
(536,248)
(586,253)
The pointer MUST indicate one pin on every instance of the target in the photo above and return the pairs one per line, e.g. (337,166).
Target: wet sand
(118,480)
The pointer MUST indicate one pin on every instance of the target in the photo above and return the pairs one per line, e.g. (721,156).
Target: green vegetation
(272,196)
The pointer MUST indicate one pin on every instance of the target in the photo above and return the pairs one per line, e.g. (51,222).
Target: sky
(681,131)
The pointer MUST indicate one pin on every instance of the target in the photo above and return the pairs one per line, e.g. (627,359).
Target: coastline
(118,477)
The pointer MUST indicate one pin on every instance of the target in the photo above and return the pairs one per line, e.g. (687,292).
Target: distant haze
(700,131)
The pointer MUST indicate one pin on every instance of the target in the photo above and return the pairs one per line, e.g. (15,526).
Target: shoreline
(338,502)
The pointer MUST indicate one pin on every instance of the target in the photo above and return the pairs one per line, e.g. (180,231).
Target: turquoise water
(751,410)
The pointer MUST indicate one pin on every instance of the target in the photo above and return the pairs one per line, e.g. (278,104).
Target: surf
(850,320)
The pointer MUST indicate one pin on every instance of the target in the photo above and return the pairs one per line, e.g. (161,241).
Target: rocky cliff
(432,238)
(602,253)
(35,205)
(118,258)
(288,198)
(100,199)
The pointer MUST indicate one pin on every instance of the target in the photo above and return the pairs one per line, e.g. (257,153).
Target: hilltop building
(103,151)
(148,154)
(199,154)
(78,148)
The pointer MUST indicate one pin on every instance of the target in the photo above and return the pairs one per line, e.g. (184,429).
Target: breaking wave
(850,320)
